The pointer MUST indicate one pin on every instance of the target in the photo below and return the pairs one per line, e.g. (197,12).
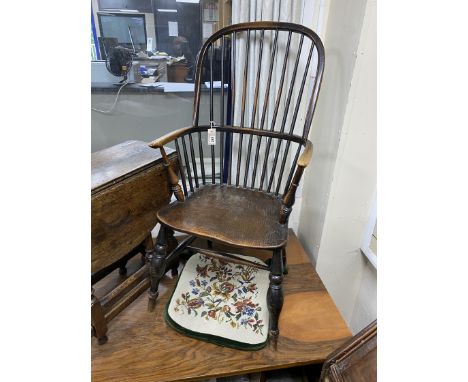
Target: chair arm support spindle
(290,195)
(172,176)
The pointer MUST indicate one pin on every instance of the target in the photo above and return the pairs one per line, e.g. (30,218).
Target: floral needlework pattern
(222,292)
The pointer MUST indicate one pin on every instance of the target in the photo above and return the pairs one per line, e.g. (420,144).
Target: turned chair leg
(157,266)
(285,261)
(172,244)
(148,246)
(275,292)
(98,321)
(147,249)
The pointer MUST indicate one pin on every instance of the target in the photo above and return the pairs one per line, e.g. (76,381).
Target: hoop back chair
(244,196)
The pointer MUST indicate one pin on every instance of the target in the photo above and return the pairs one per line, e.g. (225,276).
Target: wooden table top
(113,164)
(142,348)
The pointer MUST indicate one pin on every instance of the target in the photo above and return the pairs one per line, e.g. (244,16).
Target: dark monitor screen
(117,26)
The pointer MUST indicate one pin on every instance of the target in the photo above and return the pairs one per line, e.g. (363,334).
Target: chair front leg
(172,244)
(157,266)
(285,261)
(275,292)
(147,248)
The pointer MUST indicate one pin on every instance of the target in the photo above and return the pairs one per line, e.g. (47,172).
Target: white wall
(314,15)
(340,182)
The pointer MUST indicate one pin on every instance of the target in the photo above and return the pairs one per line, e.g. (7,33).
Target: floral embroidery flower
(243,305)
(226,287)
(247,276)
(195,303)
(212,313)
(202,271)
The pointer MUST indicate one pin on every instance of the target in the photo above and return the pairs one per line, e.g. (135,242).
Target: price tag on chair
(212,134)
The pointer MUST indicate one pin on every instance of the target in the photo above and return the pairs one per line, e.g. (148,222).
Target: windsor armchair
(236,199)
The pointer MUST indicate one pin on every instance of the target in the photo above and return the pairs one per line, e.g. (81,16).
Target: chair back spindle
(252,82)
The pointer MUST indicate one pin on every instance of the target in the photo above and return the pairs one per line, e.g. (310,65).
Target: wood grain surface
(142,348)
(118,162)
(129,186)
(237,216)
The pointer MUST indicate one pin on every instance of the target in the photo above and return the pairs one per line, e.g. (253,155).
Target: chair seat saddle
(235,216)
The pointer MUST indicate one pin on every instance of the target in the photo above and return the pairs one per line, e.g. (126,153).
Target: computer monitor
(128,29)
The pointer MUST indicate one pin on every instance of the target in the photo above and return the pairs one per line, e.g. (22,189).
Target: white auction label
(212,137)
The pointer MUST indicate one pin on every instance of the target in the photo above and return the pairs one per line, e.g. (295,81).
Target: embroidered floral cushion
(221,302)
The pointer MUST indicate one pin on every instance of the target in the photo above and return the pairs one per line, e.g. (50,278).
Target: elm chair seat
(228,214)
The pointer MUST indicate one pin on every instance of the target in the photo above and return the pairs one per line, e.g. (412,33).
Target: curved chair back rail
(287,44)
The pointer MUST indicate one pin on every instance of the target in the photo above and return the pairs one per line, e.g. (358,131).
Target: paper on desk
(178,87)
(159,57)
(152,84)
(216,85)
(172,87)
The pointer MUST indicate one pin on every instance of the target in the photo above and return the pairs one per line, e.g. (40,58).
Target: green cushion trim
(207,337)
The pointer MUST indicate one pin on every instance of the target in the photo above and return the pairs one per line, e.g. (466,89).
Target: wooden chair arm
(290,195)
(305,157)
(169,137)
